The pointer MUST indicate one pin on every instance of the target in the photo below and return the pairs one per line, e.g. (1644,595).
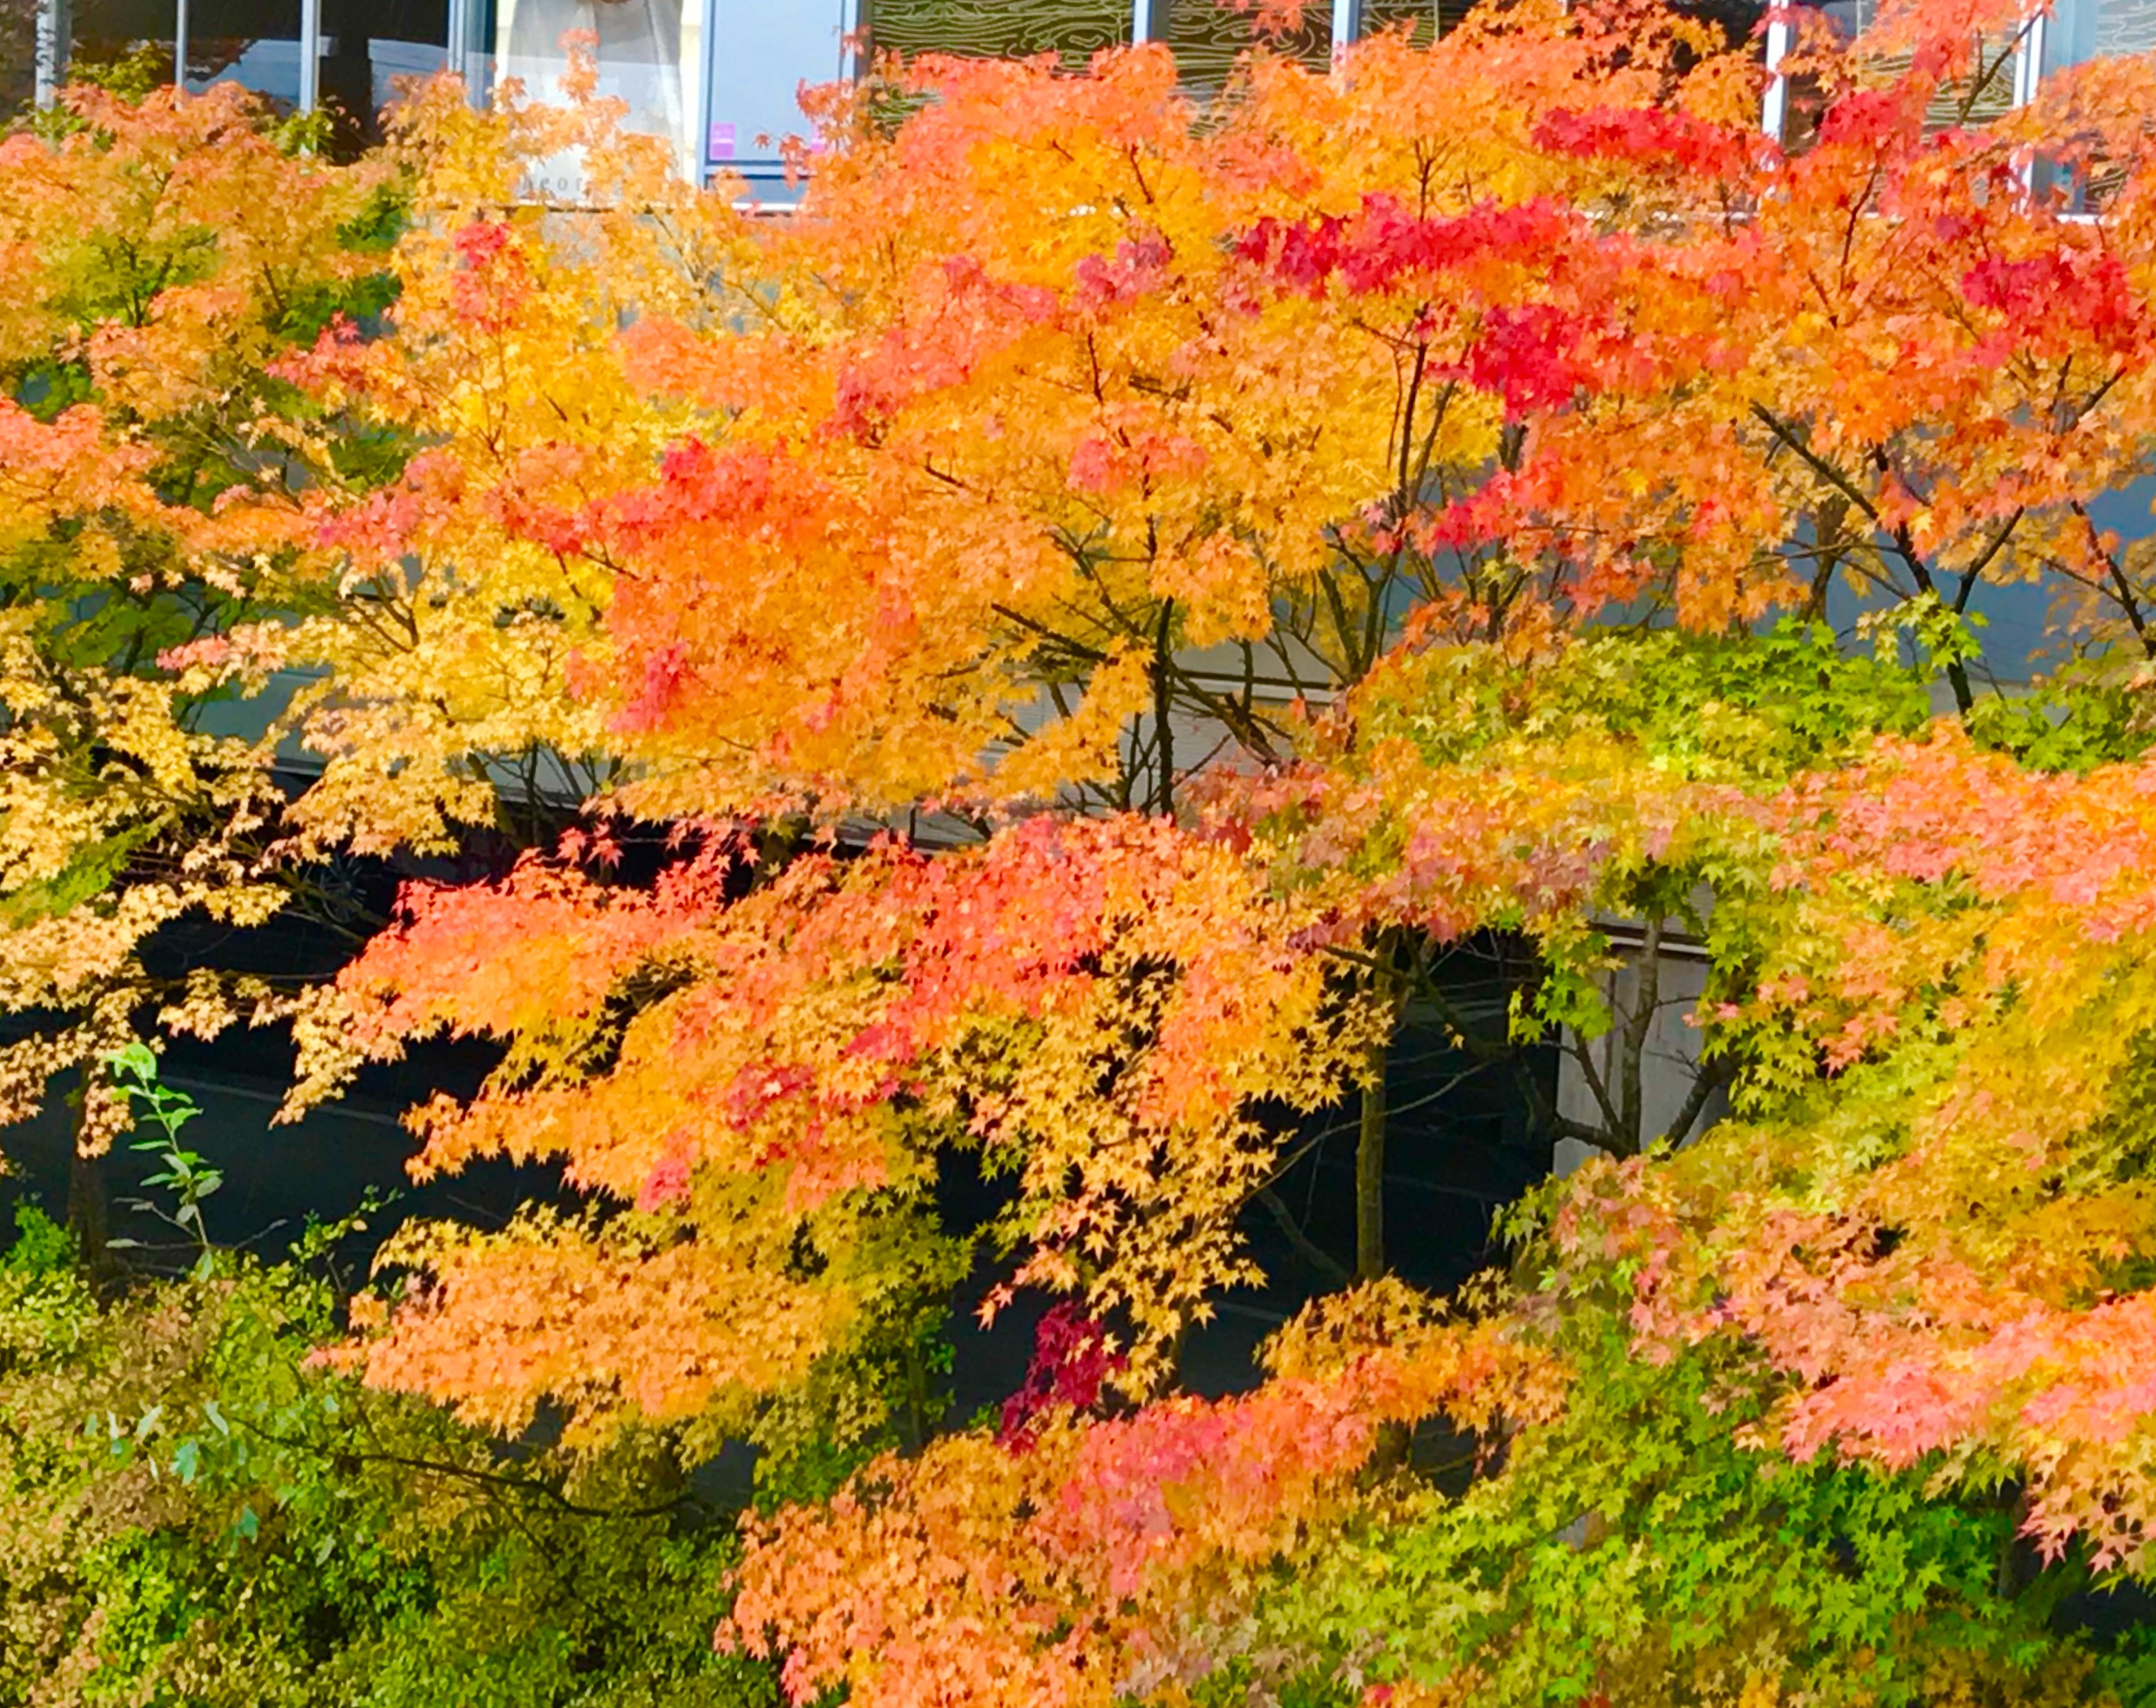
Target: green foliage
(1639,1552)
(48,386)
(2080,717)
(194,1510)
(41,1248)
(1237,1685)
(887,1391)
(89,874)
(131,77)
(187,1176)
(1749,709)
(304,132)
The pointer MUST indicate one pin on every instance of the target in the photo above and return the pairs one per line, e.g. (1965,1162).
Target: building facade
(718,79)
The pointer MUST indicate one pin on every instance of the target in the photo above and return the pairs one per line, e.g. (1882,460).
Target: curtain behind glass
(640,57)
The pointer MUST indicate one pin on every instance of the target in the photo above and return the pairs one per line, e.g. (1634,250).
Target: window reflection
(369,48)
(1000,29)
(1975,101)
(1423,19)
(2081,30)
(254,43)
(1964,102)
(761,57)
(2077,32)
(1208,35)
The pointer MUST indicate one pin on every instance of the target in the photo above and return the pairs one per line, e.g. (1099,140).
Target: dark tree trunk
(88,1216)
(1370,1173)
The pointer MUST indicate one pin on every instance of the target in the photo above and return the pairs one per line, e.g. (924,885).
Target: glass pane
(1739,19)
(761,57)
(1971,102)
(419,21)
(2124,28)
(1208,35)
(1000,29)
(2095,29)
(640,52)
(1421,17)
(2081,30)
(474,56)
(371,49)
(254,43)
(100,32)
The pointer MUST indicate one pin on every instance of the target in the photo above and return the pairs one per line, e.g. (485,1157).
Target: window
(367,49)
(762,53)
(1793,103)
(2081,30)
(254,43)
(1000,29)
(1425,19)
(371,47)
(2077,32)
(1976,100)
(1208,35)
(640,55)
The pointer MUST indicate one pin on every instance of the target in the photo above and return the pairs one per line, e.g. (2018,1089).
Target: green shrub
(194,1510)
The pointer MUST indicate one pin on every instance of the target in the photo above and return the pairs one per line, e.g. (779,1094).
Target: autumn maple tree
(1103,600)
(157,255)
